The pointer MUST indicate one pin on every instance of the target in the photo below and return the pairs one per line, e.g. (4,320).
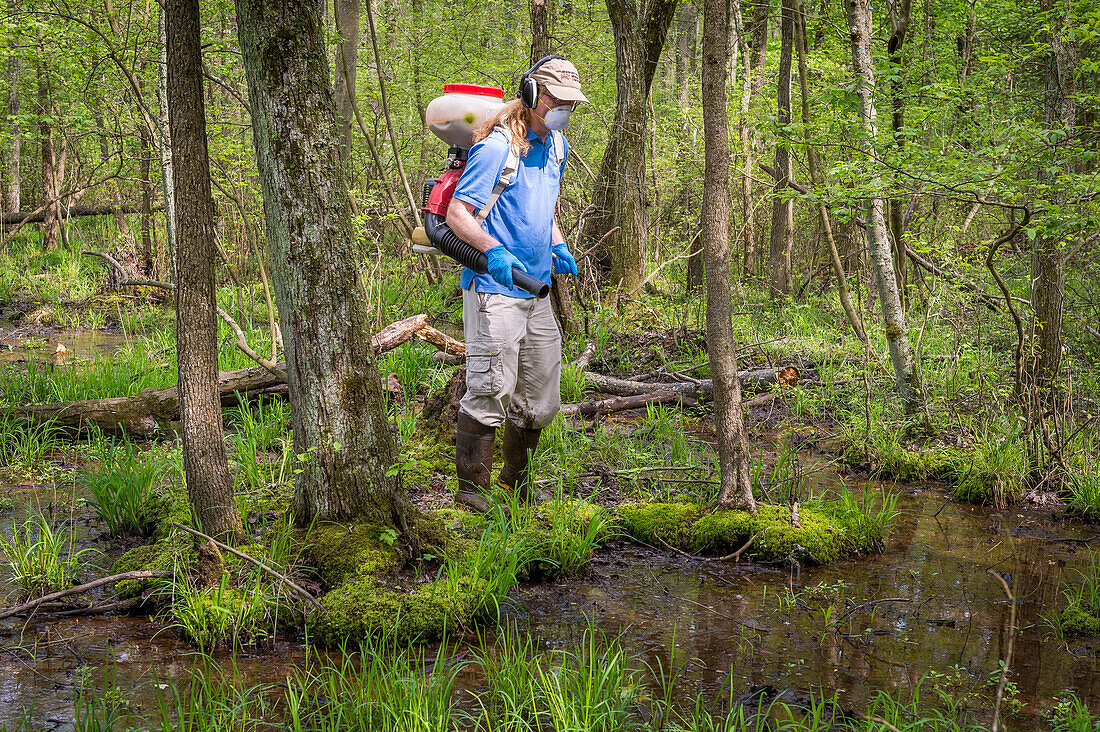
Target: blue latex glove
(501,262)
(564,263)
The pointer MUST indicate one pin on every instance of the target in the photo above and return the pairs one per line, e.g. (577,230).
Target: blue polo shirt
(522,219)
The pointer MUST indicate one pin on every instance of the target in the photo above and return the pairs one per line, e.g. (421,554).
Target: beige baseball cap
(560,78)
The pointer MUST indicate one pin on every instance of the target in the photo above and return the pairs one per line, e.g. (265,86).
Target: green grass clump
(42,558)
(24,447)
(122,479)
(1081,616)
(223,614)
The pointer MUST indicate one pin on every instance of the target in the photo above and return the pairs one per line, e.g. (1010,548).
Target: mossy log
(148,412)
(153,410)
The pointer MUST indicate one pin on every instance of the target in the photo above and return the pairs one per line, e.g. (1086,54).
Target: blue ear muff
(528,89)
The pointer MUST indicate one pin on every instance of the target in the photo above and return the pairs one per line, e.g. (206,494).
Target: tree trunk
(758,28)
(540,30)
(733,450)
(744,131)
(878,243)
(339,418)
(209,485)
(15,150)
(167,177)
(147,225)
(900,20)
(782,229)
(51,175)
(619,193)
(816,180)
(1048,279)
(346,14)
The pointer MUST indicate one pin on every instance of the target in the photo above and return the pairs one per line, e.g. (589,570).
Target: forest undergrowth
(649,477)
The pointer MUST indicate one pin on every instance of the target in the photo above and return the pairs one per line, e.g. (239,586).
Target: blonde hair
(513,117)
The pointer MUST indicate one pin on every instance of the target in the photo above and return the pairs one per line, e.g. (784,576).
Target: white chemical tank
(454,116)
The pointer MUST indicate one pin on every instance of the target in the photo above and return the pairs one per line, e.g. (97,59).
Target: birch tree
(878,239)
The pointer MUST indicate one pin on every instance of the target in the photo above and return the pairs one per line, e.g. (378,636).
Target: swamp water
(927,604)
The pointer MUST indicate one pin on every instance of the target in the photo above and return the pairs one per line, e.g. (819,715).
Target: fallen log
(86,587)
(619,404)
(18,218)
(751,380)
(151,411)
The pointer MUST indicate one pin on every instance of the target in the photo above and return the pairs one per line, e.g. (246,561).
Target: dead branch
(263,567)
(736,556)
(139,574)
(242,344)
(597,407)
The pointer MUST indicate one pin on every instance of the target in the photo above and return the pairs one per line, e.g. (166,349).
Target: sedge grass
(42,558)
(121,480)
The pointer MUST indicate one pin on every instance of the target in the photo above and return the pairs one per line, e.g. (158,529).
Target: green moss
(360,609)
(1076,621)
(339,552)
(172,554)
(653,522)
(723,531)
(820,536)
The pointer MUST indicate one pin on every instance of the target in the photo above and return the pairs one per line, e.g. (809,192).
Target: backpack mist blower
(453,118)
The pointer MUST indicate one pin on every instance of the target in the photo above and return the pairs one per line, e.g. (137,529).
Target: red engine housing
(443,190)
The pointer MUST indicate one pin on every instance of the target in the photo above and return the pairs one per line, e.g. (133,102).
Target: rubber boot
(520,444)
(473,462)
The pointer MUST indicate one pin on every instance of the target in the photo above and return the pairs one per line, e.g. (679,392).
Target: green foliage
(42,558)
(122,479)
(1081,616)
(222,614)
(25,447)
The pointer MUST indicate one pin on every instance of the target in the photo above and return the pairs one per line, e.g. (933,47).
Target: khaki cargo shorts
(513,360)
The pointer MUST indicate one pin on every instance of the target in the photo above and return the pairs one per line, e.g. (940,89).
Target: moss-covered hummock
(343,552)
(820,537)
(361,608)
(1076,620)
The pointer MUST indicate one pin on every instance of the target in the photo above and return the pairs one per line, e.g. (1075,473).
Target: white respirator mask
(558,117)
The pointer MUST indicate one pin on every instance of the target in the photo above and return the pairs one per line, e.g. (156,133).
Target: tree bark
(15,150)
(147,258)
(540,30)
(744,132)
(51,161)
(166,174)
(878,242)
(619,222)
(346,14)
(209,485)
(781,236)
(758,27)
(900,19)
(816,180)
(733,450)
(339,417)
(1048,278)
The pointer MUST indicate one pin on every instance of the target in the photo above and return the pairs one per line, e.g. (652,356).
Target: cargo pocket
(483,376)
